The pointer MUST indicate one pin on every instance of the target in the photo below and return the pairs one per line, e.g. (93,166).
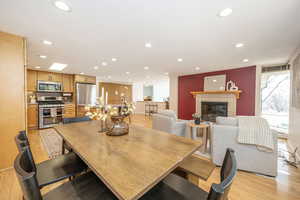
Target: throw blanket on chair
(255,131)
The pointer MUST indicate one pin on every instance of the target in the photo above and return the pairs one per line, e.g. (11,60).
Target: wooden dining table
(131,164)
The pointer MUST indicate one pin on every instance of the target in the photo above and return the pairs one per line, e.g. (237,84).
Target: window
(275,97)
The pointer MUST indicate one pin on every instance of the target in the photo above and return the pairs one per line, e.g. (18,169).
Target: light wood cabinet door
(44,76)
(31,80)
(68,83)
(56,77)
(49,76)
(32,116)
(80,111)
(12,85)
(85,79)
(69,110)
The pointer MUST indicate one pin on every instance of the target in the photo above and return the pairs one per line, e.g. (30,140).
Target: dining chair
(68,121)
(21,140)
(176,187)
(54,170)
(84,187)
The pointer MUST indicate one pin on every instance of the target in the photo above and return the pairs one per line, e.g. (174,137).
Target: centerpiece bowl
(118,127)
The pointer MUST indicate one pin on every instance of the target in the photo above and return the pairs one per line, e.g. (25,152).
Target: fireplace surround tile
(229,98)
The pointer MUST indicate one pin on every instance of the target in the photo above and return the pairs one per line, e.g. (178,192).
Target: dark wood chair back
(228,172)
(75,119)
(21,140)
(23,143)
(27,176)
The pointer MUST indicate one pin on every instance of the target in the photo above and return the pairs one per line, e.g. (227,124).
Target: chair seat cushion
(175,188)
(59,168)
(89,187)
(85,187)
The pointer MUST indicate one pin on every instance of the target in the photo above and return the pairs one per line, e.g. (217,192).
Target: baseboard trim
(291,148)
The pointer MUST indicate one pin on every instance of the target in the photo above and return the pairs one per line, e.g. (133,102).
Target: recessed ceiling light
(81,73)
(146,68)
(104,63)
(197,68)
(148,45)
(226,12)
(47,42)
(43,56)
(96,67)
(58,66)
(214,80)
(37,67)
(245,60)
(166,73)
(109,77)
(62,5)
(127,72)
(239,45)
(114,59)
(179,59)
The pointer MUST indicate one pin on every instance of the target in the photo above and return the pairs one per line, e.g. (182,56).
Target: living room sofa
(249,158)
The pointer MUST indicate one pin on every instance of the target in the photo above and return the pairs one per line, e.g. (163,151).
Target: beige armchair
(166,120)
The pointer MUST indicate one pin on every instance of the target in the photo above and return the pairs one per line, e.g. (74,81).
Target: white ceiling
(98,30)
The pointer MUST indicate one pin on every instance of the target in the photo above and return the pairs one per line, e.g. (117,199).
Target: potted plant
(197,118)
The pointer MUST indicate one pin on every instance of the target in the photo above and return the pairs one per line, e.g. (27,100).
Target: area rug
(51,141)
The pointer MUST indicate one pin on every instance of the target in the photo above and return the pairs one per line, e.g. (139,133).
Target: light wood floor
(247,186)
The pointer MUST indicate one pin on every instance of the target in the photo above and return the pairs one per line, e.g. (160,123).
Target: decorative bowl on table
(118,126)
(103,112)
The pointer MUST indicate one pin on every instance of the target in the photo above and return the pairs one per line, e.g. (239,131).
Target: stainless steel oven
(45,86)
(50,114)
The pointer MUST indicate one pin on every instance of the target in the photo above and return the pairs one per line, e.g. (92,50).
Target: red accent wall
(243,77)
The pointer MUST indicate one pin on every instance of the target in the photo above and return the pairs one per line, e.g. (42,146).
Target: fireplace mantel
(236,93)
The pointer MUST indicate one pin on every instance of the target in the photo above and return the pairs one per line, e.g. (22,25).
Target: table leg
(205,139)
(191,132)
(63,147)
(209,137)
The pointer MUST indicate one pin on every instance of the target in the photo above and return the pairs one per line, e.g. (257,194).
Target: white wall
(294,118)
(173,79)
(137,91)
(258,91)
(160,90)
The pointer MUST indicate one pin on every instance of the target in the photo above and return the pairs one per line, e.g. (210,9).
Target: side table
(206,132)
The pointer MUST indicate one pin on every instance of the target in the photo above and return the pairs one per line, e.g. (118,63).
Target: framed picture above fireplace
(215,83)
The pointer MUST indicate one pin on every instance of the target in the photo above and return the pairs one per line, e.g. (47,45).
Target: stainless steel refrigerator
(86,94)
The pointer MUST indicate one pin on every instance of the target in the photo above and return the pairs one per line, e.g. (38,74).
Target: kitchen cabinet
(81,111)
(32,116)
(115,92)
(31,80)
(56,77)
(68,82)
(12,84)
(85,79)
(49,76)
(69,111)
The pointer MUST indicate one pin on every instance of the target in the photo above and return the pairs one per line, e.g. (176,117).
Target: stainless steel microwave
(45,86)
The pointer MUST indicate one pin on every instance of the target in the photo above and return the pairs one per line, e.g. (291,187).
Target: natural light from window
(275,93)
